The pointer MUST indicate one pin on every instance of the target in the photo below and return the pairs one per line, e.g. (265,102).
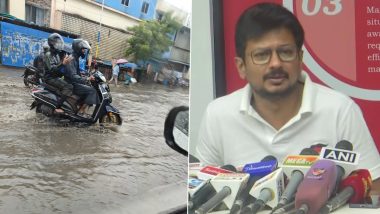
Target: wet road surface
(52,167)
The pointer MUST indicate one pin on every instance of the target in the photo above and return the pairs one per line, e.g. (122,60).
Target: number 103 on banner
(342,43)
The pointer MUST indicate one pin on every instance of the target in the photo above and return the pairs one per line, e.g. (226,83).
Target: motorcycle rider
(84,62)
(38,62)
(73,76)
(54,68)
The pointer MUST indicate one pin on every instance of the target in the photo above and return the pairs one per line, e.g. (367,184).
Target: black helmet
(78,45)
(67,48)
(55,42)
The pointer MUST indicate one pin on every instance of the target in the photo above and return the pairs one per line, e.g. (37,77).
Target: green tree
(151,38)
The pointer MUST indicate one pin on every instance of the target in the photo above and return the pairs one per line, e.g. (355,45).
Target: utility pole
(100,26)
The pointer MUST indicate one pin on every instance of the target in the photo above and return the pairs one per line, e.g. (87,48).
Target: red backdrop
(342,39)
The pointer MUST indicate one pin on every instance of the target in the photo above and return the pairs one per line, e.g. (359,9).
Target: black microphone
(345,145)
(344,158)
(202,195)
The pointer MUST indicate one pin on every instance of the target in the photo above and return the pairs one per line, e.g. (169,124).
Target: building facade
(103,23)
(141,9)
(24,29)
(176,62)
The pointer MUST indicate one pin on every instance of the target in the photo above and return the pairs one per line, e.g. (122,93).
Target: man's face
(272,63)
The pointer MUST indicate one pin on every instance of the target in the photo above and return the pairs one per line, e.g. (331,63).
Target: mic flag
(209,172)
(348,160)
(273,182)
(227,186)
(317,187)
(306,158)
(233,180)
(300,162)
(256,171)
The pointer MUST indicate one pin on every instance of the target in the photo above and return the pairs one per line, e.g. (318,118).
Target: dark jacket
(72,74)
(53,66)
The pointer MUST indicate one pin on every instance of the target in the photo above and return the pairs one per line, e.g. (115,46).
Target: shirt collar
(307,97)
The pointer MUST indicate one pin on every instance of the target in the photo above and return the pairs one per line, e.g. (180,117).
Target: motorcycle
(46,98)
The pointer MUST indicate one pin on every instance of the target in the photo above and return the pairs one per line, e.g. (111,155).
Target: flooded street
(51,167)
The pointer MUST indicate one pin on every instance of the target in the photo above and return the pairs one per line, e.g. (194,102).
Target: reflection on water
(53,167)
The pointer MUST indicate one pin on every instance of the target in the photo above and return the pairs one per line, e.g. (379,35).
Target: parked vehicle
(32,76)
(46,99)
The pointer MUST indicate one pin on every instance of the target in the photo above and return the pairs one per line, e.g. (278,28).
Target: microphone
(296,174)
(229,167)
(267,191)
(194,169)
(200,195)
(363,193)
(318,147)
(194,185)
(209,172)
(256,171)
(284,209)
(344,158)
(355,188)
(228,186)
(316,188)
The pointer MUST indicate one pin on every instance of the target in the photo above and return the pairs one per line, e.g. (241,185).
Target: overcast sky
(183,4)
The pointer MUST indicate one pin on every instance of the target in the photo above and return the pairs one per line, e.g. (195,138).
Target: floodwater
(47,166)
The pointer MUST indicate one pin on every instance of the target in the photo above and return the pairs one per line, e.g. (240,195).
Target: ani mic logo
(337,155)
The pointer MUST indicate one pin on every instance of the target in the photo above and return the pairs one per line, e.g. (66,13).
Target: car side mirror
(176,129)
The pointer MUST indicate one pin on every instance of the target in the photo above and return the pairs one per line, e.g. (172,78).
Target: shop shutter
(113,42)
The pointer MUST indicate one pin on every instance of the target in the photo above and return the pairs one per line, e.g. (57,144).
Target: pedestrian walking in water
(115,72)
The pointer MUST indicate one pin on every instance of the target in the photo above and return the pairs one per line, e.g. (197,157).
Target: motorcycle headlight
(103,78)
(100,76)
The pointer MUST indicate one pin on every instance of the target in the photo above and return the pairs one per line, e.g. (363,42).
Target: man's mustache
(275,74)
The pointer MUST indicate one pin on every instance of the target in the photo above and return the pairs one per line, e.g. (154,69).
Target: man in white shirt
(280,111)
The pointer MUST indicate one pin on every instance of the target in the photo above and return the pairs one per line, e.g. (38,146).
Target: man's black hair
(262,18)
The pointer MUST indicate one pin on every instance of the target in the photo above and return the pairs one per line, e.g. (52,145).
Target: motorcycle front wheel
(26,83)
(30,80)
(110,118)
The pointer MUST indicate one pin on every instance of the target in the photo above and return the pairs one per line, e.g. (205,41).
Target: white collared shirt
(232,132)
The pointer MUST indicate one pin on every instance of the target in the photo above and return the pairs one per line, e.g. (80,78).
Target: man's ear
(301,56)
(239,63)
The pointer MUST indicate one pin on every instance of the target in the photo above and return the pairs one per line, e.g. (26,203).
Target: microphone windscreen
(317,186)
(318,147)
(344,144)
(308,151)
(269,158)
(229,167)
(361,181)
